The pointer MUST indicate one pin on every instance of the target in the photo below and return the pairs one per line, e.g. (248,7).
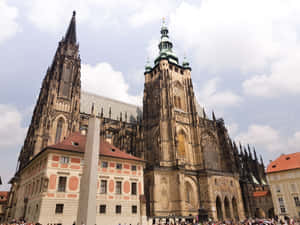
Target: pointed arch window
(59,130)
(188,193)
(181,144)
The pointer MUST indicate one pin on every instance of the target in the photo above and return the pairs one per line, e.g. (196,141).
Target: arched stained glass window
(59,130)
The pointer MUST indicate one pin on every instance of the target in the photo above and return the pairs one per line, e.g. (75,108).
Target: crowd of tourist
(245,222)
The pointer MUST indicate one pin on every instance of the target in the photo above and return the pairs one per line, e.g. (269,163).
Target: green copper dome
(148,68)
(185,63)
(165,47)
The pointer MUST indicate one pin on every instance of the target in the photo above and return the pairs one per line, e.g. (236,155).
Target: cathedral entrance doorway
(271,213)
(259,213)
(219,209)
(227,208)
(235,209)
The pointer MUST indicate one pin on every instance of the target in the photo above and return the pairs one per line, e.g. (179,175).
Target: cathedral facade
(193,169)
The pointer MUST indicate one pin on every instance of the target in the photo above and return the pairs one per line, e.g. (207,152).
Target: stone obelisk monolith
(88,185)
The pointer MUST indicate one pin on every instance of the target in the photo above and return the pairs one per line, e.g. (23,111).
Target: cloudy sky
(245,59)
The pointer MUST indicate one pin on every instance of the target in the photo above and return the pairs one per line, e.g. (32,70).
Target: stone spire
(213,116)
(203,112)
(255,156)
(249,151)
(261,160)
(71,32)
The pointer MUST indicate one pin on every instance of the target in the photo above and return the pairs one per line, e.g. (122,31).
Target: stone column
(88,185)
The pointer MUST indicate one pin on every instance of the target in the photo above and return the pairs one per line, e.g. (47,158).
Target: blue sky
(244,56)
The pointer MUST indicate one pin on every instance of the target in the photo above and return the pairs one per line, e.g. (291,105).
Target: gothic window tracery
(59,128)
(179,96)
(181,144)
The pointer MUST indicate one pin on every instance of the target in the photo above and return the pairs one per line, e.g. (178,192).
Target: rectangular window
(281,205)
(133,188)
(103,187)
(297,202)
(133,167)
(119,166)
(62,182)
(119,187)
(281,202)
(59,208)
(118,209)
(102,209)
(104,164)
(64,160)
(282,209)
(277,188)
(134,209)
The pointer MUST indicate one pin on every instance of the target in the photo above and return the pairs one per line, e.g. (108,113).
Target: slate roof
(87,99)
(133,111)
(76,142)
(285,162)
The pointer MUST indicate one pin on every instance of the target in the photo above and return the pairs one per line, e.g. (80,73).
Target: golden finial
(164,20)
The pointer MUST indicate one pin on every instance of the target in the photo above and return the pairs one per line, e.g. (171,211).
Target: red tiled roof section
(260,193)
(76,142)
(4,196)
(285,162)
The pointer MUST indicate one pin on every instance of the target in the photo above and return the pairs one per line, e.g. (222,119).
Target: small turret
(148,68)
(185,63)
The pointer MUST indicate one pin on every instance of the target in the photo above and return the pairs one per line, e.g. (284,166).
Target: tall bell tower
(169,111)
(170,132)
(56,112)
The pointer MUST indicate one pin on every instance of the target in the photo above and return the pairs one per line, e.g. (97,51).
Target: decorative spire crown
(166,46)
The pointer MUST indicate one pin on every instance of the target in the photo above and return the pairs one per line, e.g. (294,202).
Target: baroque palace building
(192,168)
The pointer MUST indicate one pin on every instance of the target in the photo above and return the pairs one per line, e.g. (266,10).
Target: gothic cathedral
(193,168)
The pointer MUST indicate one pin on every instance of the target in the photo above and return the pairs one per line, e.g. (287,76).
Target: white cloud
(11,131)
(262,135)
(149,11)
(8,24)
(283,79)
(52,15)
(103,80)
(267,138)
(294,142)
(228,34)
(211,98)
(152,49)
(252,37)
(232,129)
